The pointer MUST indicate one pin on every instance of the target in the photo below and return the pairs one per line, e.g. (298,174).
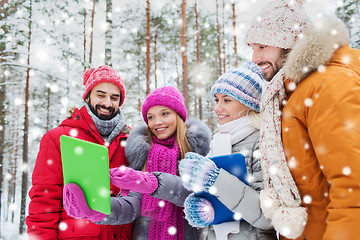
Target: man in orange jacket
(310,137)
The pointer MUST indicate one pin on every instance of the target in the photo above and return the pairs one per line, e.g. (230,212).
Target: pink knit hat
(167,96)
(278,24)
(93,76)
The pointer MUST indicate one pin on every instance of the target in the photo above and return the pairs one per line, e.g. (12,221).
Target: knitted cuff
(152,183)
(198,173)
(198,211)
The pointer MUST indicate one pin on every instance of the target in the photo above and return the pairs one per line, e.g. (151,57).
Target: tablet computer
(234,164)
(87,164)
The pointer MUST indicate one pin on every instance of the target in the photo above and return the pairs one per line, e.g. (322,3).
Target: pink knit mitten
(76,206)
(128,179)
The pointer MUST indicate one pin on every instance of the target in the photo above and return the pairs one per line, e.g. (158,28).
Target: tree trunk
(48,98)
(183,54)
(84,32)
(108,33)
(155,57)
(198,88)
(92,33)
(24,180)
(147,47)
(218,36)
(234,27)
(2,123)
(223,33)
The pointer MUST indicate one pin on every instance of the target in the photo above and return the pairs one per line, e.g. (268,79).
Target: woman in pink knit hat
(151,190)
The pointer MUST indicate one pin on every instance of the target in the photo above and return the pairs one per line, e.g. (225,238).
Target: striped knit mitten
(198,211)
(197,173)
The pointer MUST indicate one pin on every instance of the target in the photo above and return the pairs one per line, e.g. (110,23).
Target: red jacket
(47,218)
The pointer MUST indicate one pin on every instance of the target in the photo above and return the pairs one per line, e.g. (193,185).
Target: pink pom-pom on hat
(94,76)
(167,96)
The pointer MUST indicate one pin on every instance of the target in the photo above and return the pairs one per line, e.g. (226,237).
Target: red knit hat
(93,77)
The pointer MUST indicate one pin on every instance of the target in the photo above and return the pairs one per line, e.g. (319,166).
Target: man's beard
(101,116)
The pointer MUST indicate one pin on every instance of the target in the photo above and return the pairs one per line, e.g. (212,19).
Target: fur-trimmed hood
(315,47)
(137,144)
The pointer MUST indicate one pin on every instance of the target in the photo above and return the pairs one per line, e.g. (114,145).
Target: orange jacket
(321,135)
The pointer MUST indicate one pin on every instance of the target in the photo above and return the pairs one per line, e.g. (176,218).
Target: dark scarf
(108,129)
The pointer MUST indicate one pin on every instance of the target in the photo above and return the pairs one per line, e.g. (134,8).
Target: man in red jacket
(100,121)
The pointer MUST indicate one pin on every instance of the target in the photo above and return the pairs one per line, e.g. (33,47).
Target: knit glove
(128,179)
(76,206)
(197,173)
(198,211)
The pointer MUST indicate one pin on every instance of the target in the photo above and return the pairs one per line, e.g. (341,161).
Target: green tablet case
(87,164)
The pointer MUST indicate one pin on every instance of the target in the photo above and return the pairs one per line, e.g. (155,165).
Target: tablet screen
(87,164)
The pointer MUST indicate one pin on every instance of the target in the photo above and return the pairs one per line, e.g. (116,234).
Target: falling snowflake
(257,154)
(13,207)
(123,143)
(172,230)
(350,124)
(185,177)
(250,178)
(63,226)
(292,163)
(73,132)
(307,199)
(305,69)
(346,59)
(273,170)
(321,68)
(104,192)
(285,231)
(18,101)
(213,190)
(268,202)
(306,146)
(308,102)
(24,167)
(292,86)
(346,171)
(78,150)
(49,162)
(8,176)
(237,216)
(161,204)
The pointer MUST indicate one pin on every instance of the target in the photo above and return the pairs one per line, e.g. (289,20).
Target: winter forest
(45,47)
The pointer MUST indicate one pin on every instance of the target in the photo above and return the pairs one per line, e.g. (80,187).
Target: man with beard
(99,121)
(310,134)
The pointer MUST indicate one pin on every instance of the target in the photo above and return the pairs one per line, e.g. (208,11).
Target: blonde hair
(181,139)
(255,118)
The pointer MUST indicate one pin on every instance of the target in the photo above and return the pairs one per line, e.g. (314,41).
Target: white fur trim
(315,47)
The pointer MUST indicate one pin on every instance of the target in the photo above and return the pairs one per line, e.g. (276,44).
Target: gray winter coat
(243,199)
(127,209)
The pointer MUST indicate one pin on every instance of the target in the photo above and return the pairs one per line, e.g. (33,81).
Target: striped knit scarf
(166,218)
(280,199)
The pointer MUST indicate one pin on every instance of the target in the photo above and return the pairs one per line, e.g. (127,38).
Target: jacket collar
(315,48)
